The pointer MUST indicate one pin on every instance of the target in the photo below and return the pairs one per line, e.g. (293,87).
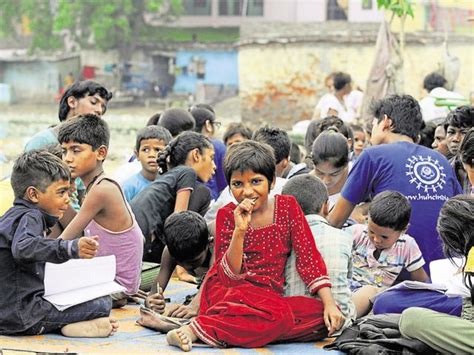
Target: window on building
(236,7)
(197,7)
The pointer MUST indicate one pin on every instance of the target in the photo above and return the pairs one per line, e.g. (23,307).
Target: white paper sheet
(80,280)
(446,273)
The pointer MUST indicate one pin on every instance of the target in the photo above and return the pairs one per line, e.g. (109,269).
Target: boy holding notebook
(40,181)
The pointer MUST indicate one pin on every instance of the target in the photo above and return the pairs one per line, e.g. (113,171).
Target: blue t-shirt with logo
(423,175)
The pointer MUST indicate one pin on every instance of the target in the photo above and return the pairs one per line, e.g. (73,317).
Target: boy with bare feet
(40,181)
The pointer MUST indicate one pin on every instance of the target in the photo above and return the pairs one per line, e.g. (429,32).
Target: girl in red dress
(242,301)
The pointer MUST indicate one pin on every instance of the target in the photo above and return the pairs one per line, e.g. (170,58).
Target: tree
(33,15)
(110,24)
(103,24)
(402,9)
(386,74)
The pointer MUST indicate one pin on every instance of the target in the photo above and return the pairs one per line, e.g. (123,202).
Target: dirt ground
(19,122)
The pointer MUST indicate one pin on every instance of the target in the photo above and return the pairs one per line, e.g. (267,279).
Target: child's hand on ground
(333,318)
(156,301)
(88,247)
(182,311)
(243,214)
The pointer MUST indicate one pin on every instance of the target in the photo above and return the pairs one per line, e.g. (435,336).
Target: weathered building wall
(280,83)
(37,80)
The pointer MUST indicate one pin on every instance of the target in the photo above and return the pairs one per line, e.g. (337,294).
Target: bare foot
(95,328)
(182,338)
(153,320)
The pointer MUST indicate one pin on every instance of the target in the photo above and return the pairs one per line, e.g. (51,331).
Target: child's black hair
(54,149)
(186,235)
(177,150)
(250,155)
(276,138)
(427,134)
(309,191)
(332,147)
(295,153)
(37,168)
(87,129)
(460,117)
(312,132)
(340,80)
(237,128)
(390,209)
(152,132)
(454,226)
(316,127)
(467,148)
(176,120)
(81,89)
(335,122)
(433,81)
(201,115)
(356,128)
(153,120)
(207,107)
(403,110)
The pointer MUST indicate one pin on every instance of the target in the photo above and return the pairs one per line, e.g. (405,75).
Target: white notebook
(80,280)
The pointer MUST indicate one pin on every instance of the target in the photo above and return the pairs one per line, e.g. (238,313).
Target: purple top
(126,245)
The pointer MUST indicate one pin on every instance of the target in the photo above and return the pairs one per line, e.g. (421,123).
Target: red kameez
(248,309)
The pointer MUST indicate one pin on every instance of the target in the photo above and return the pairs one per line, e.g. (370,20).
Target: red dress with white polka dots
(248,309)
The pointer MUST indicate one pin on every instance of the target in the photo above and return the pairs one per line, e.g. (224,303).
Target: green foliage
(399,7)
(110,23)
(40,22)
(8,10)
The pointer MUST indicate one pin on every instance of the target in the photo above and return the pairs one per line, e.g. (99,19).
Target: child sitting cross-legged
(40,181)
(189,245)
(104,212)
(381,249)
(242,302)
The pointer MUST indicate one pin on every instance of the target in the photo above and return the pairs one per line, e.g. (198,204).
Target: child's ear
(208,126)
(31,194)
(101,152)
(71,102)
(195,155)
(387,123)
(325,209)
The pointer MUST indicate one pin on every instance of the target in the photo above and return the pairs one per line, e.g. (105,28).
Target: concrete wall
(281,83)
(37,81)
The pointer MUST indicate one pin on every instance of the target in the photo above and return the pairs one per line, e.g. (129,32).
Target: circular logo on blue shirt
(426,173)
